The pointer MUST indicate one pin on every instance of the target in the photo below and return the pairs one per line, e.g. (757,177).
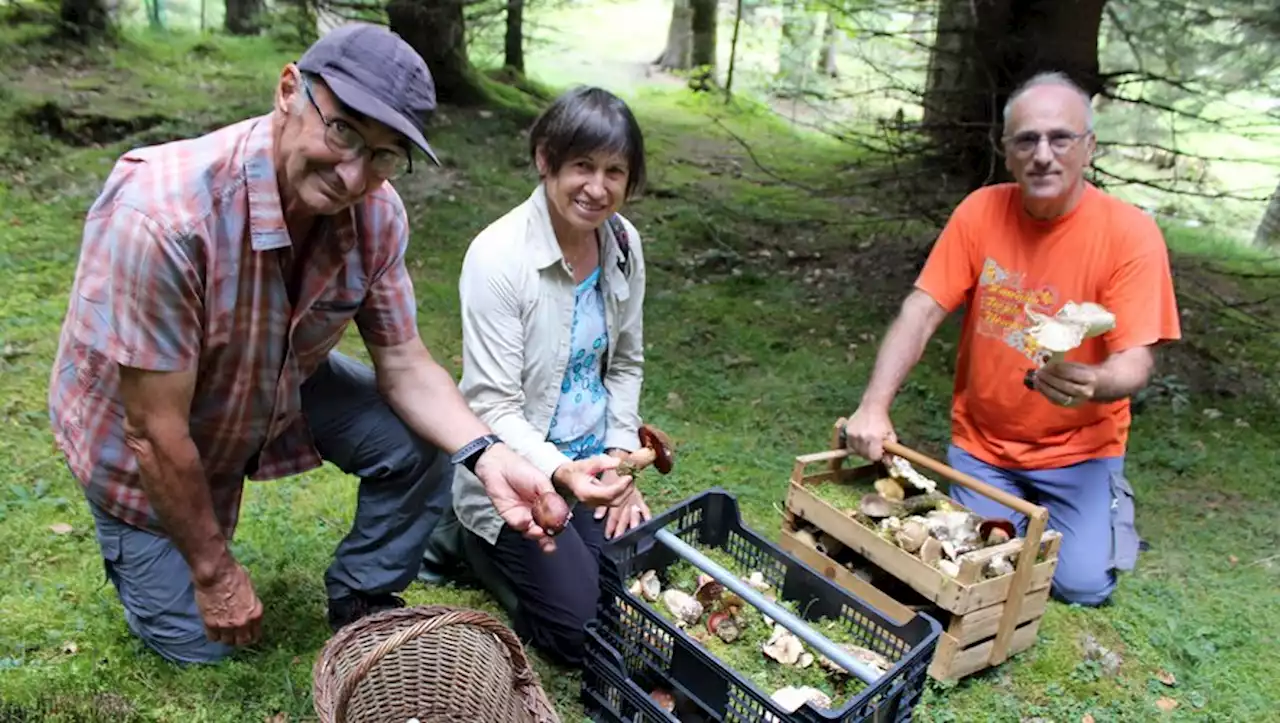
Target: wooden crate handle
(1015,503)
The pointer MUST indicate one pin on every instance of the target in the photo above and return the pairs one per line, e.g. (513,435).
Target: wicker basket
(436,663)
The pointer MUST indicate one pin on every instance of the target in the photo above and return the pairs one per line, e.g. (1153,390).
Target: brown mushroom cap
(660,443)
(992,525)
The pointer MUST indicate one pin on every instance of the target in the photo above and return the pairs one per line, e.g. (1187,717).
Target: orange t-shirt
(995,258)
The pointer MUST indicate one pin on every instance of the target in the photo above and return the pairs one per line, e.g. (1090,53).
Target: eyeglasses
(1060,142)
(347,141)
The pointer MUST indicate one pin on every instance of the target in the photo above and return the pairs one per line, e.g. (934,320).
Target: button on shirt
(181,266)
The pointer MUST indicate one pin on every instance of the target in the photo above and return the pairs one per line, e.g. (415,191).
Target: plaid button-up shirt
(181,266)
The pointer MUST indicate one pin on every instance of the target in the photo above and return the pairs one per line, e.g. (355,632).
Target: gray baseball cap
(374,71)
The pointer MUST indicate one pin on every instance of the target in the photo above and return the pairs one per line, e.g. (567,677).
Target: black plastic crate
(611,696)
(650,645)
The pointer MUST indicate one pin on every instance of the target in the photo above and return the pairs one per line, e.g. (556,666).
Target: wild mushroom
(664,699)
(650,588)
(722,624)
(1066,330)
(877,507)
(655,449)
(551,513)
(912,534)
(864,655)
(783,646)
(708,593)
(685,609)
(901,469)
(890,489)
(791,698)
(996,531)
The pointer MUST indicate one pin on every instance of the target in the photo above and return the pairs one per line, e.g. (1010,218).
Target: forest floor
(773,273)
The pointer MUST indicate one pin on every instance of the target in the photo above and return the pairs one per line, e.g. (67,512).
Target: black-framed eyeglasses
(1060,142)
(343,139)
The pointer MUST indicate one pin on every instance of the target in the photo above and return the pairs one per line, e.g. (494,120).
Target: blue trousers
(1090,504)
(404,489)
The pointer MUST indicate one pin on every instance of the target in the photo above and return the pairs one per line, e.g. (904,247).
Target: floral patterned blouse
(578,425)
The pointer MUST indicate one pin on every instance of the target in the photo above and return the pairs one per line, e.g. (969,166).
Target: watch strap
(470,452)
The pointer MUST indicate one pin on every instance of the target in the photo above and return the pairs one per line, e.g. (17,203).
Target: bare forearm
(428,400)
(1123,374)
(175,483)
(901,350)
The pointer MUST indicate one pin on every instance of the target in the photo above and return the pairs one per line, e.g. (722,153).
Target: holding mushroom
(552,310)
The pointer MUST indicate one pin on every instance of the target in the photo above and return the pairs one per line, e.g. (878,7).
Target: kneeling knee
(1090,592)
(198,651)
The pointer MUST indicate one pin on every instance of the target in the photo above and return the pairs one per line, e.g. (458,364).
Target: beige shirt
(517,295)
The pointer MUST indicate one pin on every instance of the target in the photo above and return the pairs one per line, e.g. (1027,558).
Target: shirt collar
(267,229)
(546,250)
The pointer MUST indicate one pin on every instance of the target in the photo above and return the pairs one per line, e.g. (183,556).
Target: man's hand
(867,431)
(513,484)
(631,512)
(230,608)
(1067,384)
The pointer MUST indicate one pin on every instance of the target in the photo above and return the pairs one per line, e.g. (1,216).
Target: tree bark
(242,16)
(515,35)
(704,44)
(830,48)
(678,55)
(983,50)
(84,20)
(437,30)
(1269,230)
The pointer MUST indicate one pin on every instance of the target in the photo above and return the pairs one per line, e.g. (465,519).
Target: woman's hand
(629,513)
(581,479)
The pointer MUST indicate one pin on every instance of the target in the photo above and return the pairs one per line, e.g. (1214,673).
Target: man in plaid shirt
(216,277)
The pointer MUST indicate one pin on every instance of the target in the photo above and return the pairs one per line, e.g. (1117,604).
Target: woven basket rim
(408,623)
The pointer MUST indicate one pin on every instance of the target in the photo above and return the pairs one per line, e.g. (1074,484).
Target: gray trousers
(405,485)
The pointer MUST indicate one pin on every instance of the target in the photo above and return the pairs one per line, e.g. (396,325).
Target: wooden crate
(984,621)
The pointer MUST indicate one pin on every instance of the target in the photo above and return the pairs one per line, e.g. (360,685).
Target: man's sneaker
(347,609)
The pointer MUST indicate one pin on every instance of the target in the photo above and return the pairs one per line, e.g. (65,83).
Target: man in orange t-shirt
(1057,437)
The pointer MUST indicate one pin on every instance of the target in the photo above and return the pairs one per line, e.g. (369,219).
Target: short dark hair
(585,120)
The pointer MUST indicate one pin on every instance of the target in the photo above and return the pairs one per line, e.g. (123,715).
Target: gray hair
(1051,78)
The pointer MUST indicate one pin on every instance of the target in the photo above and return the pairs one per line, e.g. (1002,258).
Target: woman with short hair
(552,314)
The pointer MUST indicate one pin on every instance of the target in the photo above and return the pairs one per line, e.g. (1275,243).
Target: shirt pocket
(321,326)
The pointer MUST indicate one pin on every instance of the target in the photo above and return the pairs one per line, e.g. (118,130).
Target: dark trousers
(404,489)
(555,594)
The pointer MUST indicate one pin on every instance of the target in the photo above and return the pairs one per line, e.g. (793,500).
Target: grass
(765,304)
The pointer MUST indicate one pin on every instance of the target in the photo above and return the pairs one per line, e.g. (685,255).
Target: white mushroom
(791,698)
(686,610)
(1066,330)
(650,587)
(900,468)
(783,646)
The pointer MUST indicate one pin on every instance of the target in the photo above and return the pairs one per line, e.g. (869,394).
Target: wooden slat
(990,592)
(926,580)
(982,624)
(890,608)
(977,657)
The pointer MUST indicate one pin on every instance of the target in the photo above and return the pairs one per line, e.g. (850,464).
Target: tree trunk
(515,35)
(242,16)
(985,48)
(84,20)
(797,50)
(830,48)
(678,54)
(1269,230)
(436,29)
(704,44)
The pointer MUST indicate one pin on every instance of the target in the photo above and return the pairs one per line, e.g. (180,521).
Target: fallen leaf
(1166,704)
(674,401)
(70,648)
(1165,676)
(280,717)
(60,528)
(1087,718)
(1233,560)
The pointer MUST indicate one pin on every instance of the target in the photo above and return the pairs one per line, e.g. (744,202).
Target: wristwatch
(471,451)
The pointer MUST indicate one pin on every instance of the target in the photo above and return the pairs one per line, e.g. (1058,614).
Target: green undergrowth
(768,292)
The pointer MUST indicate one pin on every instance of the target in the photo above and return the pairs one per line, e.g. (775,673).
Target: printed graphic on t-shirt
(1001,300)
